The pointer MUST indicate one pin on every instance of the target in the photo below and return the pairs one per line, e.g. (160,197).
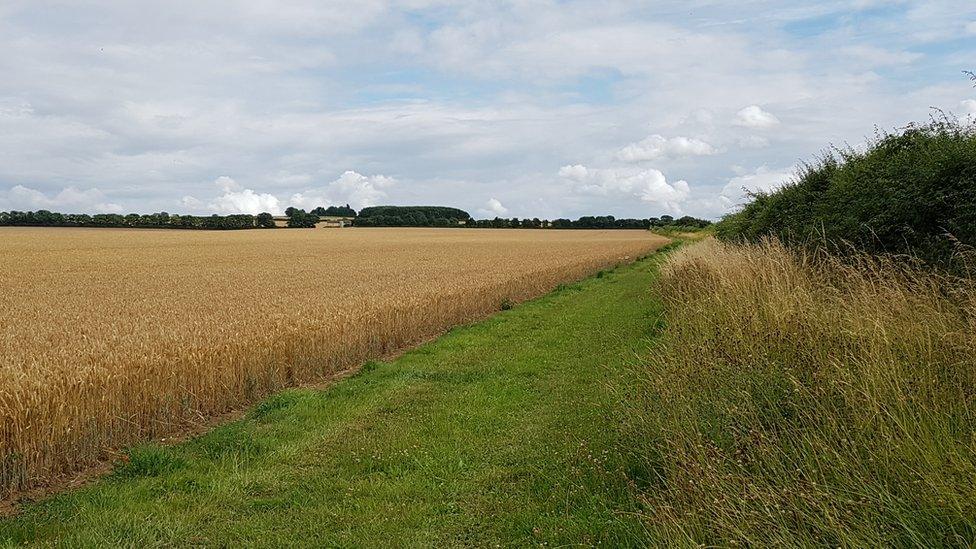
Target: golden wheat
(109,337)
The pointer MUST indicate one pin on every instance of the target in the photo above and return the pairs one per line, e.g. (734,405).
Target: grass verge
(802,400)
(499,433)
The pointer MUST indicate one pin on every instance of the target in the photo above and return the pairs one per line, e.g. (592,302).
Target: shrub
(911,192)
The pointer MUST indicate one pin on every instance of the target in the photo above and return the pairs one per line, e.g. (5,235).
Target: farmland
(501,433)
(111,337)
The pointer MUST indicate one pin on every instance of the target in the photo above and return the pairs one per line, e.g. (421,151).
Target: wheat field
(111,337)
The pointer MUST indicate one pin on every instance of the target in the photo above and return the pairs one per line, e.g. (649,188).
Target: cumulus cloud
(968,106)
(237,200)
(227,184)
(68,200)
(754,116)
(351,188)
(245,202)
(646,185)
(657,146)
(192,203)
(493,208)
(763,179)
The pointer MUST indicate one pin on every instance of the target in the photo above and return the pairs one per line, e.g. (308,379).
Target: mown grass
(804,400)
(500,433)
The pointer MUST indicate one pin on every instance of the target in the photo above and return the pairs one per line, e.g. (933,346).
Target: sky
(521,108)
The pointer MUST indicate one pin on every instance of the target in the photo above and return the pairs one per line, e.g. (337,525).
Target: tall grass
(800,399)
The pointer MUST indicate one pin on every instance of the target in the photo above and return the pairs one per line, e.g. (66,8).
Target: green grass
(500,433)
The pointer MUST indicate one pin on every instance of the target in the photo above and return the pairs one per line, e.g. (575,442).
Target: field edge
(14,503)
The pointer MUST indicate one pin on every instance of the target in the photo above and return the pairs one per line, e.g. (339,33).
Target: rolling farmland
(110,337)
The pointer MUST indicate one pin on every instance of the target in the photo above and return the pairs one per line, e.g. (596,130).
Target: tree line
(161,220)
(376,216)
(333,211)
(411,216)
(439,216)
(594,222)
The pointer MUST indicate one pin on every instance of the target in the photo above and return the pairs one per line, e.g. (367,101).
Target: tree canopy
(334,211)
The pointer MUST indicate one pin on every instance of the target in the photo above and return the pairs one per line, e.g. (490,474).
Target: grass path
(499,433)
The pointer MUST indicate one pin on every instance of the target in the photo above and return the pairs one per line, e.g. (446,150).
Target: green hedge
(910,192)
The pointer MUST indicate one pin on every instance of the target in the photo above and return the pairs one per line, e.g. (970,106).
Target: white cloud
(879,57)
(227,184)
(493,208)
(351,188)
(11,108)
(762,179)
(657,146)
(245,202)
(753,142)
(287,178)
(648,185)
(68,200)
(236,200)
(968,106)
(192,203)
(576,172)
(754,116)
(285,95)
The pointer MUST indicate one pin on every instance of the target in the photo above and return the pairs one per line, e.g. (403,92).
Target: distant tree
(188,221)
(265,220)
(299,219)
(689,221)
(340,211)
(414,216)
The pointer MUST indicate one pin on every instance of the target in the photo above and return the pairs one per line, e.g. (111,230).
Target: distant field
(109,337)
